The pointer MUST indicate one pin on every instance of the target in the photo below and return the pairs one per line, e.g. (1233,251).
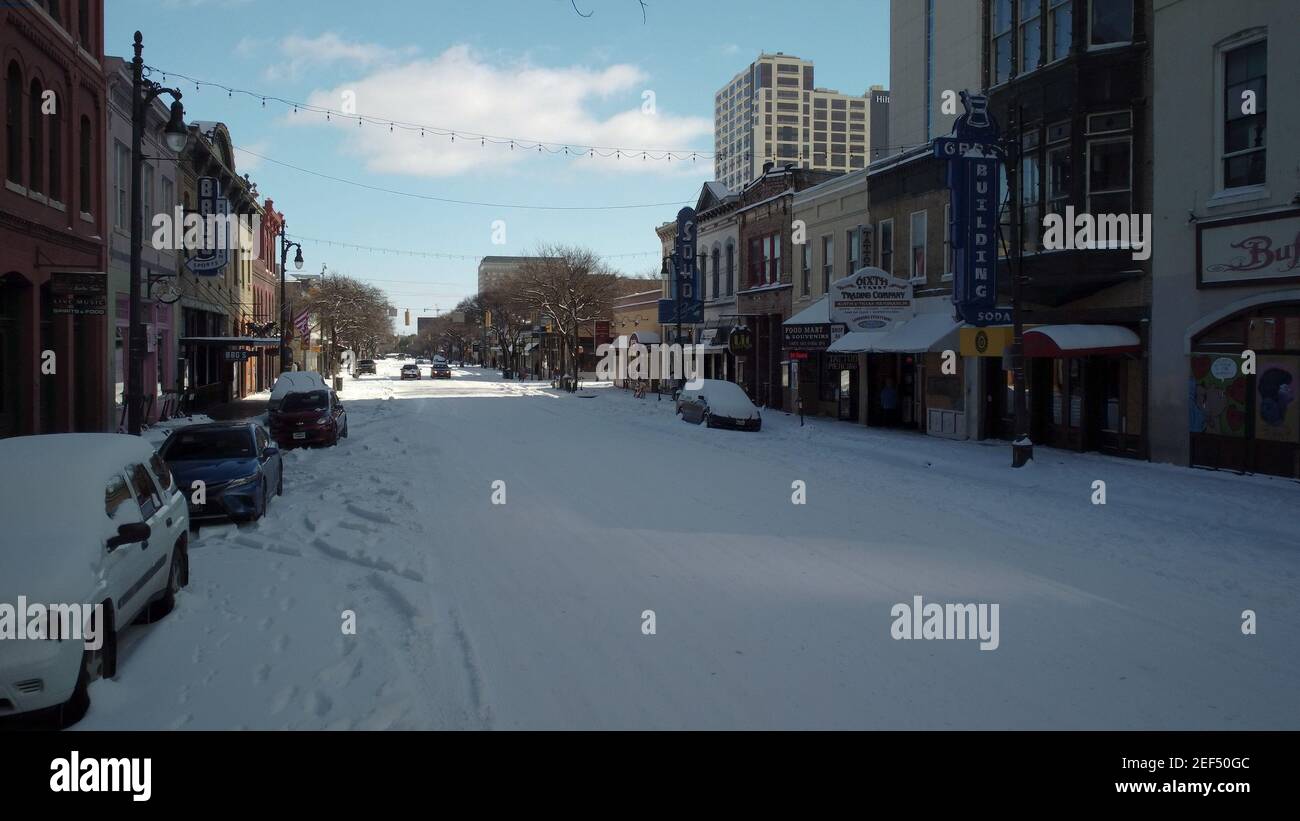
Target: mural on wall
(1277,414)
(1218,396)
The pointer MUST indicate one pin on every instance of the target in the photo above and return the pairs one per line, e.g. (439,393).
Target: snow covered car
(294,382)
(239,465)
(365,366)
(315,417)
(718,404)
(89,519)
(410,371)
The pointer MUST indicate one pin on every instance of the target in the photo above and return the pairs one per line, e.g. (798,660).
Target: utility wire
(431,198)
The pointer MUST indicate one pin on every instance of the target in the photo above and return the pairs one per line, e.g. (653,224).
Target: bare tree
(508,315)
(354,314)
(573,288)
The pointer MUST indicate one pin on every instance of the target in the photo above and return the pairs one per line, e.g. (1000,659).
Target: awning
(857,342)
(921,333)
(1080,340)
(818,313)
(718,342)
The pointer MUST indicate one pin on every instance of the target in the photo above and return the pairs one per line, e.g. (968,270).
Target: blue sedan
(238,464)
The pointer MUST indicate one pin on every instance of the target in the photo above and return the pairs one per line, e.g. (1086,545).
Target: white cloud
(460,89)
(246,163)
(194,4)
(296,55)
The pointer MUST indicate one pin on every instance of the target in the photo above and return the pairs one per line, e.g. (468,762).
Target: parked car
(422,362)
(312,418)
(440,371)
(410,371)
(294,382)
(718,404)
(239,465)
(365,366)
(89,519)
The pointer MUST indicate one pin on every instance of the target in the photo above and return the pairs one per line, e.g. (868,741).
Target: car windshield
(315,400)
(236,443)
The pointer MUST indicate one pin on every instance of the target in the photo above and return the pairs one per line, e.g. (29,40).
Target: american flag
(301,323)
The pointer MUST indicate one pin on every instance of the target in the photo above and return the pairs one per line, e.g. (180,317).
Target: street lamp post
(285,244)
(176,135)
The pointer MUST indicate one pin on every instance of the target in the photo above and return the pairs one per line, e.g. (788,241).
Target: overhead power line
(432,198)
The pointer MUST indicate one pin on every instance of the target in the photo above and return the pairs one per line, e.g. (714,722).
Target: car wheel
(178,575)
(74,709)
(345,430)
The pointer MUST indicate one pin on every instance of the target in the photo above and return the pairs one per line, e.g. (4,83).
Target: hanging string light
(557,148)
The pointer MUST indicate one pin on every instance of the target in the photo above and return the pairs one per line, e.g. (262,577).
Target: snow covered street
(767,614)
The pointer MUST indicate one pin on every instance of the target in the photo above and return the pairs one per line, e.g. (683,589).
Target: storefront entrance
(10,345)
(1241,421)
(891,390)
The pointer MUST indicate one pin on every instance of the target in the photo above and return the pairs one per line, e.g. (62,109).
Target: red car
(310,418)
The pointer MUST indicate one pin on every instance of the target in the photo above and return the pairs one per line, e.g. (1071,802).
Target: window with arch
(55,139)
(717,258)
(35,139)
(731,268)
(14,123)
(83,24)
(86,151)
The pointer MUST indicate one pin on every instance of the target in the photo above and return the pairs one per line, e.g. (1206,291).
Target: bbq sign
(973,156)
(210,259)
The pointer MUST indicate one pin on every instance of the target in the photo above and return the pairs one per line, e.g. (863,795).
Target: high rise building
(773,112)
(934,47)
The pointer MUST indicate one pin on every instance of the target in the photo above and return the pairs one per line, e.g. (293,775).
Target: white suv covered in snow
(93,527)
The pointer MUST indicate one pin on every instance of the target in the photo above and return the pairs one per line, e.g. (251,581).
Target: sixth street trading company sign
(973,157)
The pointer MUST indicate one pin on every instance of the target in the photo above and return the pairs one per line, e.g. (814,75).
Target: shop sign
(1248,249)
(79,293)
(212,255)
(991,341)
(842,361)
(235,356)
(741,341)
(974,158)
(809,337)
(870,300)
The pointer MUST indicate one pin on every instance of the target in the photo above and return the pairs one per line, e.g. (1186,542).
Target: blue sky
(516,68)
